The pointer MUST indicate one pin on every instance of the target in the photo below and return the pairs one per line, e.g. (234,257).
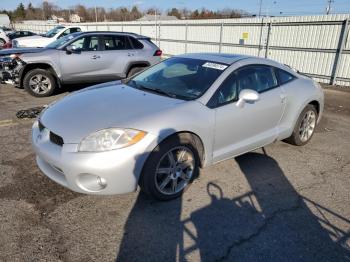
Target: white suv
(45,39)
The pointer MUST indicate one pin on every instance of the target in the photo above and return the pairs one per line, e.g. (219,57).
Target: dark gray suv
(84,57)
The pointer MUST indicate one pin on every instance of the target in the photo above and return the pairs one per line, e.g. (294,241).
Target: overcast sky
(271,7)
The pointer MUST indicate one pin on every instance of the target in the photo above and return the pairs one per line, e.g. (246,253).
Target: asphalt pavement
(283,203)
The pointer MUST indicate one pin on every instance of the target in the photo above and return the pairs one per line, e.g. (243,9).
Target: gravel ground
(285,204)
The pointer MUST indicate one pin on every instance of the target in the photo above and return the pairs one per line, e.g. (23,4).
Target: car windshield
(182,78)
(61,41)
(53,31)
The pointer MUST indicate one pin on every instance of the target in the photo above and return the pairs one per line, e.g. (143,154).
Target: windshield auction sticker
(215,66)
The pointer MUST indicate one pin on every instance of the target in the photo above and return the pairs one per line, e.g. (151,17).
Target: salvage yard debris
(30,112)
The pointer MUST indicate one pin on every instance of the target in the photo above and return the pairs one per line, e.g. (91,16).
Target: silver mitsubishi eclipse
(159,127)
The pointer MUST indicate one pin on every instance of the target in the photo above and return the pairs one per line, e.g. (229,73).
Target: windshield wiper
(154,90)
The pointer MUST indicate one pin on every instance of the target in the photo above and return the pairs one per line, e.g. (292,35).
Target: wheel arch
(31,66)
(136,64)
(196,138)
(316,104)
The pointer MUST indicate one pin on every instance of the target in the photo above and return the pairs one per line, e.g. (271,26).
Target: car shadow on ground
(73,87)
(272,222)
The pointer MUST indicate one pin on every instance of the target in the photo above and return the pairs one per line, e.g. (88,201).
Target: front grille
(56,139)
(41,126)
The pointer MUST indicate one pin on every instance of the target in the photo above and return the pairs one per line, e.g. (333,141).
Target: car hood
(117,105)
(21,50)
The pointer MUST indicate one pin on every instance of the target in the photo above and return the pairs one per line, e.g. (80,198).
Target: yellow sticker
(245,35)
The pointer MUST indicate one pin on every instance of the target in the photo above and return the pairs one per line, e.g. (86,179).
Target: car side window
(118,42)
(256,77)
(226,93)
(70,31)
(283,76)
(89,43)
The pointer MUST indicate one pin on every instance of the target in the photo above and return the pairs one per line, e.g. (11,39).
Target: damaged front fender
(10,70)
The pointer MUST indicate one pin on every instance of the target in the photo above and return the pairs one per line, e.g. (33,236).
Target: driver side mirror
(71,49)
(247,95)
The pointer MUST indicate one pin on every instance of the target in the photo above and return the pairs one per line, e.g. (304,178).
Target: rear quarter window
(284,77)
(135,43)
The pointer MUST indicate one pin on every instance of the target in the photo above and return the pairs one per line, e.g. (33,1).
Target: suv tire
(39,82)
(134,71)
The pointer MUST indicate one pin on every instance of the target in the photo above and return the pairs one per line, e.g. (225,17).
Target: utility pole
(329,6)
(260,5)
(96,13)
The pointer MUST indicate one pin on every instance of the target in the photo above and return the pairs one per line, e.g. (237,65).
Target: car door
(86,64)
(242,129)
(117,54)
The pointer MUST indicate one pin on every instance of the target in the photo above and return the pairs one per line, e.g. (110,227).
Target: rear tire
(304,127)
(164,179)
(134,71)
(39,82)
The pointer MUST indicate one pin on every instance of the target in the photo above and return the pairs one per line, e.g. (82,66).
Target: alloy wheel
(40,84)
(307,126)
(174,170)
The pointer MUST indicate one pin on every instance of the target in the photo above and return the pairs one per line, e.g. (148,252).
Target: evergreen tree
(20,12)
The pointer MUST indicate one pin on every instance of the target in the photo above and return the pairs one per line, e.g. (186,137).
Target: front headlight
(110,139)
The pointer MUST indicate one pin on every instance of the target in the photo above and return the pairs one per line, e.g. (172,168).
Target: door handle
(283,98)
(95,57)
(131,54)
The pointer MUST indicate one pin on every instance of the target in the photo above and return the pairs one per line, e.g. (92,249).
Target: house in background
(58,19)
(75,18)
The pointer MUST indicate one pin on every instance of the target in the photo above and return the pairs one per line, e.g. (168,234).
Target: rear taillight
(158,53)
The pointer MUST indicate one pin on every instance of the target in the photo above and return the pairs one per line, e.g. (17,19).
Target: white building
(74,18)
(4,20)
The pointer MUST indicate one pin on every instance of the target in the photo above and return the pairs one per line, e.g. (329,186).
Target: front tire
(170,168)
(39,83)
(305,127)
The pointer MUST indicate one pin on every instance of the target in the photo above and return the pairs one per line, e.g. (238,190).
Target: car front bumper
(103,173)
(10,72)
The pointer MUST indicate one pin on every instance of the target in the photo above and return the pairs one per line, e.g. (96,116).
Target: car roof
(216,57)
(113,32)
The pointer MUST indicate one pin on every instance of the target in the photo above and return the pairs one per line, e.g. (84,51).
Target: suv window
(115,43)
(257,77)
(284,76)
(88,43)
(70,31)
(135,43)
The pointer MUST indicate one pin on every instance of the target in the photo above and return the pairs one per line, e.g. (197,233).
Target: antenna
(329,6)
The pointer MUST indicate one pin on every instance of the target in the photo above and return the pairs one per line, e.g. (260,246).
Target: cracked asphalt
(283,203)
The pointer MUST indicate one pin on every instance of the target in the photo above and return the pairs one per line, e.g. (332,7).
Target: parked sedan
(159,127)
(88,57)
